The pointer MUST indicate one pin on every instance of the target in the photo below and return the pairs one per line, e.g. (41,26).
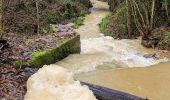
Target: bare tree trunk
(152,14)
(129,17)
(1,18)
(38,17)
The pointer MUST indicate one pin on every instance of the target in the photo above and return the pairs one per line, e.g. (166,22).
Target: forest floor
(20,47)
(12,79)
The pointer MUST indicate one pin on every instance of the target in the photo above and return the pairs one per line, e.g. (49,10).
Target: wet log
(103,93)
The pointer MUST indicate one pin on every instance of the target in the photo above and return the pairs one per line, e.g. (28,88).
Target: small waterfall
(100,56)
(100,52)
(127,52)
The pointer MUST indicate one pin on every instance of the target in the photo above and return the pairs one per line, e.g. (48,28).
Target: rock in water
(56,83)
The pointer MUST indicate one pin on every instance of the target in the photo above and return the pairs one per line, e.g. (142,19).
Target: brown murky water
(118,64)
(90,28)
(152,82)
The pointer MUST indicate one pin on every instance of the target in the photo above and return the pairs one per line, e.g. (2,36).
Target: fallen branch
(103,93)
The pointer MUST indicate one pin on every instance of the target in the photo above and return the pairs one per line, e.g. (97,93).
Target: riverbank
(120,25)
(24,55)
(24,48)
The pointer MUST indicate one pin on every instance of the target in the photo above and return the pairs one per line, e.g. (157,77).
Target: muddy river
(123,65)
(118,64)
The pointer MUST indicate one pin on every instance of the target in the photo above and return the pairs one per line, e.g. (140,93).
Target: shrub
(165,42)
(21,16)
(78,22)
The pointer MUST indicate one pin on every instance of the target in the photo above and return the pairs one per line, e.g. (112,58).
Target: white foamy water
(98,50)
(56,83)
(105,52)
(127,52)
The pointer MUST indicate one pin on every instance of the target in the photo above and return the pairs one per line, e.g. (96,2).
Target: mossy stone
(53,55)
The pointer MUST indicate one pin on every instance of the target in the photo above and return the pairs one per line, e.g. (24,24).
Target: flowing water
(115,63)
(124,65)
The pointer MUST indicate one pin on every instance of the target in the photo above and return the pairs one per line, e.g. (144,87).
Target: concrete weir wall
(47,57)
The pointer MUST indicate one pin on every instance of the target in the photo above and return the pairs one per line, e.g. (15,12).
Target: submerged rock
(150,55)
(56,83)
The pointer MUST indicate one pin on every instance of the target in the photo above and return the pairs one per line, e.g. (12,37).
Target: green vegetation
(52,29)
(115,24)
(165,43)
(78,22)
(53,55)
(133,18)
(36,16)
(143,14)
(103,26)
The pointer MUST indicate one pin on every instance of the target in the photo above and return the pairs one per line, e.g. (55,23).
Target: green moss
(51,56)
(41,58)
